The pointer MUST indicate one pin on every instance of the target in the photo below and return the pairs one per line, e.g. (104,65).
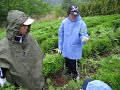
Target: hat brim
(28,21)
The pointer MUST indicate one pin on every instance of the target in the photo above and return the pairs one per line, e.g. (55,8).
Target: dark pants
(71,66)
(4,70)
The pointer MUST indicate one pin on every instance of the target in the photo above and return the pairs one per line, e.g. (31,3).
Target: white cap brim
(28,21)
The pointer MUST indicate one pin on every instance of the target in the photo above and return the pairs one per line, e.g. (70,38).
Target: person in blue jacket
(72,36)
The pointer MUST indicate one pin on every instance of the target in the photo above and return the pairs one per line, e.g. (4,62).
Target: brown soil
(60,81)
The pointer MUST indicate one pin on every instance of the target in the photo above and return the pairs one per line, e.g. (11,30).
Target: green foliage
(105,69)
(109,71)
(117,35)
(72,85)
(59,12)
(46,34)
(104,32)
(52,64)
(8,86)
(88,66)
(103,35)
(66,3)
(98,46)
(100,7)
(94,7)
(31,7)
(49,44)
(2,33)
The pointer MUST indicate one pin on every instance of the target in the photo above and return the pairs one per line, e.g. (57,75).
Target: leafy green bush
(117,35)
(34,8)
(99,7)
(49,44)
(109,71)
(98,46)
(88,66)
(52,64)
(87,50)
(101,46)
(59,12)
(42,37)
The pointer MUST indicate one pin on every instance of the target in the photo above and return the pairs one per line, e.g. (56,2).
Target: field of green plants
(101,55)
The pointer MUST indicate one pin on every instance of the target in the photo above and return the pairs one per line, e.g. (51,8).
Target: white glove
(59,51)
(85,39)
(2,81)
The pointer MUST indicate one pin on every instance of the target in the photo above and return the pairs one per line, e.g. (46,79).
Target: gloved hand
(85,39)
(2,81)
(59,51)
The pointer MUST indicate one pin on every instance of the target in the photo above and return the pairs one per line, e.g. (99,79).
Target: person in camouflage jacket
(20,55)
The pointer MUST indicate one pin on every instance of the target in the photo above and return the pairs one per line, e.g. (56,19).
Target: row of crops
(104,32)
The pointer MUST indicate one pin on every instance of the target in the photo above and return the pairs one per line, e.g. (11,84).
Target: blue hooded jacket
(70,36)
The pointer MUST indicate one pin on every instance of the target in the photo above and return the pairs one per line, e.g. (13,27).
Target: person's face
(72,17)
(23,29)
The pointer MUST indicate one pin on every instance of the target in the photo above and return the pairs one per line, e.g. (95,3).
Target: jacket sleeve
(4,56)
(83,32)
(4,62)
(61,37)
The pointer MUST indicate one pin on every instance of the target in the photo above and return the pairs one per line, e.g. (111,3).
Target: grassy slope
(105,69)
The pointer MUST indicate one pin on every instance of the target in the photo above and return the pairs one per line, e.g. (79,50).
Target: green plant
(109,71)
(49,44)
(104,39)
(52,64)
(2,33)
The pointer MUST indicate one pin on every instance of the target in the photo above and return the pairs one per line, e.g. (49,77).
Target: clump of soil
(60,81)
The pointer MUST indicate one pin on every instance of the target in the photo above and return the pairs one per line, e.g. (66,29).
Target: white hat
(29,21)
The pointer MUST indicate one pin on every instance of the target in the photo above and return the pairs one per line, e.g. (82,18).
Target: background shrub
(52,64)
(109,71)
